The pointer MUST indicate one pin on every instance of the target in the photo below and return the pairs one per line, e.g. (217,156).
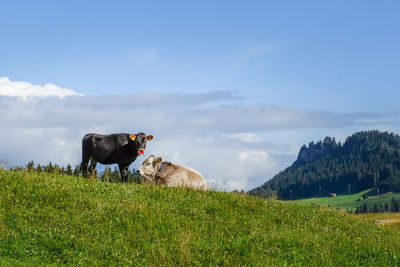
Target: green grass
(58,219)
(390,220)
(347,202)
(351,202)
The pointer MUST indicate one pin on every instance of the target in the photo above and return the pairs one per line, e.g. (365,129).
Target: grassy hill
(351,202)
(58,219)
(390,220)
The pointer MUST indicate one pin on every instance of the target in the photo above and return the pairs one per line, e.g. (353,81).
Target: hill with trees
(368,159)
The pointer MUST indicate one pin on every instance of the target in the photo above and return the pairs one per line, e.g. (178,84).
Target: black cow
(121,148)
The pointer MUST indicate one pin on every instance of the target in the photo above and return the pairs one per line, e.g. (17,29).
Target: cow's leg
(84,165)
(92,166)
(124,173)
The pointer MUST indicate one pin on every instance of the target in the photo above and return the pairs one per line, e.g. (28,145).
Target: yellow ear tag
(132,137)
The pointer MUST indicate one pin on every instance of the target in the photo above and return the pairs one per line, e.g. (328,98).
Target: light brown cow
(170,174)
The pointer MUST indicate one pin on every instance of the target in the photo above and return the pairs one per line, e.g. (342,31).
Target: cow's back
(179,175)
(104,148)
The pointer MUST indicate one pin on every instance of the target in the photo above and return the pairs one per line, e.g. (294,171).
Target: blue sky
(327,60)
(294,53)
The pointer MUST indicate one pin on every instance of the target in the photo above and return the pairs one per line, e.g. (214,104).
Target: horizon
(232,90)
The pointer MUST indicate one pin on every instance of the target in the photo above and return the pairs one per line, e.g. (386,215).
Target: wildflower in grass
(212,254)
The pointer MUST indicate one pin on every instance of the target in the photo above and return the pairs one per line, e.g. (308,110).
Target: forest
(368,159)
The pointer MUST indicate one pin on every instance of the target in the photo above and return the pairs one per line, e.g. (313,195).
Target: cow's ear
(149,138)
(132,137)
(159,160)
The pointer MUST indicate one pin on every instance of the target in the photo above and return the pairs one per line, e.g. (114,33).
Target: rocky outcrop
(311,153)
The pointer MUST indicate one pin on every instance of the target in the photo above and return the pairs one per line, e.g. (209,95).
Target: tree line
(393,206)
(108,175)
(368,159)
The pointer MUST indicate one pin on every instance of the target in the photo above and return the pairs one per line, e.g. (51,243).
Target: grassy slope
(341,201)
(350,202)
(48,218)
(390,220)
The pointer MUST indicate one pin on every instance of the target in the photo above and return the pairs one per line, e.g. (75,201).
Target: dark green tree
(39,168)
(69,170)
(30,166)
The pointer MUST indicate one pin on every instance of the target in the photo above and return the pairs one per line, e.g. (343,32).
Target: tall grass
(58,219)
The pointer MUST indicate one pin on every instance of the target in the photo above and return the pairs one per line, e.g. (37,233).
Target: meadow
(352,202)
(49,218)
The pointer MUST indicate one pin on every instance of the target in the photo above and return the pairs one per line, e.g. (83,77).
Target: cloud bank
(27,90)
(234,144)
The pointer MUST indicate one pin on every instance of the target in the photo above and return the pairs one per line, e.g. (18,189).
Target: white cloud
(246,137)
(25,90)
(189,129)
(252,155)
(247,168)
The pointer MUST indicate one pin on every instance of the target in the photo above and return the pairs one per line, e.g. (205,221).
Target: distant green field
(52,219)
(351,202)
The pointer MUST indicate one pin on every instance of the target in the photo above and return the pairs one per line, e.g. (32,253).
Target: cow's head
(140,140)
(150,167)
